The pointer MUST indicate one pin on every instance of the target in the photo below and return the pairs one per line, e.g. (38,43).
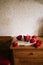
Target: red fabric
(4,61)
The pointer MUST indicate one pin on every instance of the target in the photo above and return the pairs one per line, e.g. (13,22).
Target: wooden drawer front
(30,54)
(31,63)
(26,61)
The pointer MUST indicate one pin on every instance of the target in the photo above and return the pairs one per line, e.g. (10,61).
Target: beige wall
(21,17)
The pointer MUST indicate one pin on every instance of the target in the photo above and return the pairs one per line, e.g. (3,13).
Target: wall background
(21,17)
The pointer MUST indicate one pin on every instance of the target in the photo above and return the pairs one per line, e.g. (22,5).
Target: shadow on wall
(40,29)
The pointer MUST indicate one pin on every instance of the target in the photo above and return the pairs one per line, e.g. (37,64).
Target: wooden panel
(30,54)
(27,61)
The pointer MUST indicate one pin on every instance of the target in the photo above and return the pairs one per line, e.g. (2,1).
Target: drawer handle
(31,54)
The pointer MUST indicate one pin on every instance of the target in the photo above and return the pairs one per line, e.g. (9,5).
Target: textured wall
(21,17)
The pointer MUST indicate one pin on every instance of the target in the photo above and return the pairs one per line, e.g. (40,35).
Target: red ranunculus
(32,40)
(34,36)
(19,37)
(15,43)
(38,43)
(27,38)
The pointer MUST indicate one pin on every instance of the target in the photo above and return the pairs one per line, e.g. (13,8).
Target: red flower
(19,37)
(38,43)
(27,38)
(34,36)
(32,40)
(15,43)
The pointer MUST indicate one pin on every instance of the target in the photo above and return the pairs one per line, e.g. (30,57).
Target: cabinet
(27,55)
